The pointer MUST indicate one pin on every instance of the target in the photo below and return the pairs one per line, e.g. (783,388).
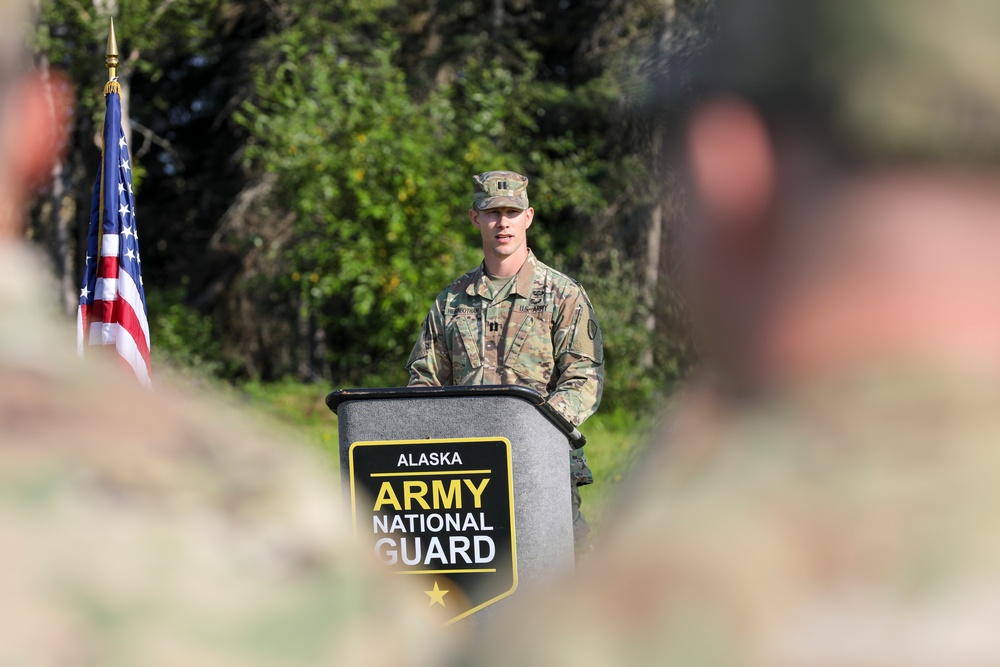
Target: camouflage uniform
(850,524)
(847,518)
(145,528)
(538,331)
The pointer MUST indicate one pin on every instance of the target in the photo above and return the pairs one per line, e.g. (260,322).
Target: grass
(301,407)
(613,439)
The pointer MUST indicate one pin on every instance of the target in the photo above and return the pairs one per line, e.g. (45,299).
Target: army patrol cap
(496,189)
(912,81)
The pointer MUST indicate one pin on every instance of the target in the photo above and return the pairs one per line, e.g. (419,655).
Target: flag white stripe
(125,347)
(129,292)
(79,331)
(109,245)
(103,333)
(106,289)
(128,351)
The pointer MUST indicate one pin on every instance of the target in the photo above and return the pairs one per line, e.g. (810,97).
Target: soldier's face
(504,230)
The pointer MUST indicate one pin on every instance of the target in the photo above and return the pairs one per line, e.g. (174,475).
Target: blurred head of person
(844,162)
(32,119)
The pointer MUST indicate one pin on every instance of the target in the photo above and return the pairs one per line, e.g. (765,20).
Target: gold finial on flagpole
(111,62)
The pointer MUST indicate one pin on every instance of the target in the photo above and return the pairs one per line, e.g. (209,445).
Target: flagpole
(111,87)
(111,62)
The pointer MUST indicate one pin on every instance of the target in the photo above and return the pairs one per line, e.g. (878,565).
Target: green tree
(375,171)
(305,168)
(72,37)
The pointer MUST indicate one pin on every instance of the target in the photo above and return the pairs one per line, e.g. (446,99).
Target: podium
(466,489)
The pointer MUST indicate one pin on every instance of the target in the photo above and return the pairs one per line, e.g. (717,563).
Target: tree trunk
(497,18)
(62,209)
(311,349)
(651,282)
(654,231)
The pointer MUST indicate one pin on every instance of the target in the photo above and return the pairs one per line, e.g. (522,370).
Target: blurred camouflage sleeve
(157,530)
(430,361)
(579,356)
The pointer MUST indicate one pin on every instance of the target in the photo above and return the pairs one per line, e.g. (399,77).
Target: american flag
(112,300)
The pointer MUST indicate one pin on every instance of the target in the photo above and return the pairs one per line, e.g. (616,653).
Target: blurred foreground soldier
(514,320)
(137,528)
(828,495)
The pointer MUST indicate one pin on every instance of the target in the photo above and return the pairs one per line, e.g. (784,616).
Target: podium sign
(441,510)
(437,477)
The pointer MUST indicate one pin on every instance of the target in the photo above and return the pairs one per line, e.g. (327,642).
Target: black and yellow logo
(440,510)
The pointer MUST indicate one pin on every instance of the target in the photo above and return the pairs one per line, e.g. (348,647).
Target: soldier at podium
(513,320)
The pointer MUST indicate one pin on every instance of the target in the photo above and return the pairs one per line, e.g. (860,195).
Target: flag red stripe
(107,267)
(120,312)
(126,348)
(102,311)
(130,323)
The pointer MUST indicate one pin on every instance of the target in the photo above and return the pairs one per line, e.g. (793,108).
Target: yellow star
(436,595)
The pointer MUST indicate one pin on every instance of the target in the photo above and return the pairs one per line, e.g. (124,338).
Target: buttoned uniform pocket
(464,344)
(529,354)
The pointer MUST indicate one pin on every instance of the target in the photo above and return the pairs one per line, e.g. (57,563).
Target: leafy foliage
(305,168)
(184,337)
(377,175)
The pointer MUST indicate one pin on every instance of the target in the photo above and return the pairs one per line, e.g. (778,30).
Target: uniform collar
(523,280)
(526,276)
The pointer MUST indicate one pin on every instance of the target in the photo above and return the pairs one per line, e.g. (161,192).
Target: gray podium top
(540,442)
(576,439)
